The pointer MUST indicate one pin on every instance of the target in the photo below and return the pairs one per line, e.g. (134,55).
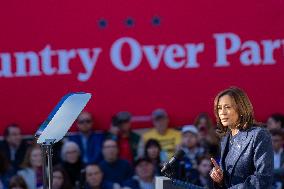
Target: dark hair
(278,118)
(201,158)
(277,132)
(66,180)
(7,129)
(17,181)
(243,107)
(203,115)
(150,143)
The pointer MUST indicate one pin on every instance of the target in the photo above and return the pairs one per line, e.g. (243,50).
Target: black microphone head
(179,154)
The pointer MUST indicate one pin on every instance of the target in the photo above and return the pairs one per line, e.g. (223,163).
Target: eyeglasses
(87,121)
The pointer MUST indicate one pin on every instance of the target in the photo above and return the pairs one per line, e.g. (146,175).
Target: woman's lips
(224,119)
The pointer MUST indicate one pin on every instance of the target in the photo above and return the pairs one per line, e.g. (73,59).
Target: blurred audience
(60,178)
(17,182)
(277,143)
(111,157)
(144,175)
(13,145)
(90,143)
(32,167)
(167,137)
(275,121)
(71,161)
(128,141)
(115,169)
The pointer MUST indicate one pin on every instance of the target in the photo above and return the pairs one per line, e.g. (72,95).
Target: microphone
(177,156)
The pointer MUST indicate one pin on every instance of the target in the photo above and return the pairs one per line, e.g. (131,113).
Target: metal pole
(44,171)
(47,163)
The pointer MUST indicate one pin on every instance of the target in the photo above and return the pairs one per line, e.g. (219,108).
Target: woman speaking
(246,149)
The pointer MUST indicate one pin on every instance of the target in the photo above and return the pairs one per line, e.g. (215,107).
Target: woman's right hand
(216,173)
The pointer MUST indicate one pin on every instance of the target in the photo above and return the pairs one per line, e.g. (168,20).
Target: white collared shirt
(277,159)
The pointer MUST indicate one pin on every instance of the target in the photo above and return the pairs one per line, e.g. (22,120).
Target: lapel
(239,146)
(224,143)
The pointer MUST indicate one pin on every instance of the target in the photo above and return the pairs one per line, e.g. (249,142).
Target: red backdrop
(196,49)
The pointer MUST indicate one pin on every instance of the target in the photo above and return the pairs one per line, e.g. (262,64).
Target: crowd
(122,158)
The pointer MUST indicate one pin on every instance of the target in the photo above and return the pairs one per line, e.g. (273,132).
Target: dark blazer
(94,146)
(250,160)
(279,173)
(19,156)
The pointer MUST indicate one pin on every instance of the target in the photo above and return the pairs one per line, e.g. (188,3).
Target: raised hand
(216,173)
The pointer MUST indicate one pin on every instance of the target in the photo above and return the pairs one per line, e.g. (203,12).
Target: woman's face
(227,111)
(204,167)
(58,180)
(36,158)
(153,152)
(72,154)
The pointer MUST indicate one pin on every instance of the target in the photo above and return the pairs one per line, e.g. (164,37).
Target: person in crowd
(246,147)
(14,146)
(115,169)
(189,144)
(90,143)
(71,161)
(204,167)
(154,152)
(207,135)
(167,137)
(6,171)
(186,167)
(32,167)
(275,121)
(60,178)
(95,178)
(144,175)
(17,182)
(128,141)
(277,143)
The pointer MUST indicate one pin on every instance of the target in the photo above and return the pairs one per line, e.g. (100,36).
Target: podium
(56,126)
(162,182)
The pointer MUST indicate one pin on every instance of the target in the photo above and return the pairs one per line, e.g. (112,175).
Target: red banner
(137,56)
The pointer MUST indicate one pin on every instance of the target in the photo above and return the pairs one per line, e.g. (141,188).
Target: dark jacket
(94,146)
(19,156)
(250,160)
(134,140)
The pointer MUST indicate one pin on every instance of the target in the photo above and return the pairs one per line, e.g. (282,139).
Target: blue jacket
(94,146)
(250,160)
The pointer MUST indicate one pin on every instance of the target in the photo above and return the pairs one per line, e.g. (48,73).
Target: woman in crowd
(207,136)
(32,167)
(60,178)
(155,154)
(71,161)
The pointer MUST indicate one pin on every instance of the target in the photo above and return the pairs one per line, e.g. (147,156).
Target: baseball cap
(122,117)
(189,128)
(159,113)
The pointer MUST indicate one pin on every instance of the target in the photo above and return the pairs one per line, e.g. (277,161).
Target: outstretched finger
(215,163)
